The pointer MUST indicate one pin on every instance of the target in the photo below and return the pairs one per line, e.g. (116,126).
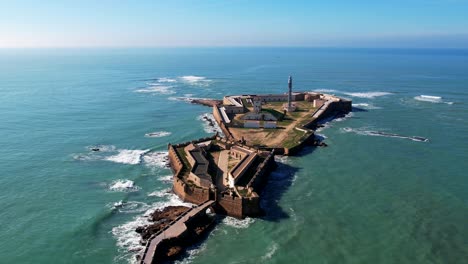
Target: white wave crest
(166,178)
(158,159)
(343,118)
(195,80)
(128,240)
(365,132)
(270,251)
(157,88)
(102,148)
(282,159)
(95,152)
(370,95)
(431,99)
(130,207)
(158,134)
(127,156)
(166,80)
(326,91)
(366,106)
(161,193)
(238,223)
(209,124)
(123,186)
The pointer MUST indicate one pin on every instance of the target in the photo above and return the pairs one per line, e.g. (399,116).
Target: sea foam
(365,132)
(209,123)
(127,156)
(195,80)
(123,186)
(431,99)
(366,106)
(128,240)
(370,95)
(157,88)
(158,134)
(238,223)
(159,159)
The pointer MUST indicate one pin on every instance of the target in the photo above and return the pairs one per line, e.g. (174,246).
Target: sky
(187,23)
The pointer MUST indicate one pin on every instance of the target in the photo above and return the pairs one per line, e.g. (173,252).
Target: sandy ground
(268,137)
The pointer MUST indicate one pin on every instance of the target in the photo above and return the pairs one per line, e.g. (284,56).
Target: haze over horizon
(400,24)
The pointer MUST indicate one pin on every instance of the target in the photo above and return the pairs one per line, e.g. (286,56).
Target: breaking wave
(166,80)
(370,95)
(150,158)
(130,207)
(127,156)
(195,80)
(186,98)
(238,223)
(166,178)
(326,91)
(157,88)
(209,124)
(366,106)
(128,240)
(431,99)
(123,186)
(158,134)
(161,193)
(270,252)
(383,134)
(95,152)
(159,159)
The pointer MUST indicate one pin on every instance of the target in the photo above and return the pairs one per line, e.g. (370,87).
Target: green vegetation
(294,137)
(275,113)
(186,165)
(243,192)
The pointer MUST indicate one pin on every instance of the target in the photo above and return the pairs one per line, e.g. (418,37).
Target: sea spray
(128,240)
(127,156)
(158,134)
(123,186)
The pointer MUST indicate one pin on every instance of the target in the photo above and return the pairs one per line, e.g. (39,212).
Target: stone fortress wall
(234,206)
(192,194)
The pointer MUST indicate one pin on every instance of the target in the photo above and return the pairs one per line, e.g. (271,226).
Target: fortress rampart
(219,120)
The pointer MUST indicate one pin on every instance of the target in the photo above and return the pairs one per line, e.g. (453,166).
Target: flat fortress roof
(243,165)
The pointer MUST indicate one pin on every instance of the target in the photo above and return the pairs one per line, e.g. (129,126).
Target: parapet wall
(219,120)
(188,193)
(185,192)
(229,205)
(258,179)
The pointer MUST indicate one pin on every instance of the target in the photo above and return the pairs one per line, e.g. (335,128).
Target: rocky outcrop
(172,248)
(207,102)
(161,219)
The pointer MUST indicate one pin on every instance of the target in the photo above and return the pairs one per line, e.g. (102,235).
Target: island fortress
(227,173)
(232,170)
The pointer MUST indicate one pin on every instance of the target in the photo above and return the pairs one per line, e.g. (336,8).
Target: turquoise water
(363,199)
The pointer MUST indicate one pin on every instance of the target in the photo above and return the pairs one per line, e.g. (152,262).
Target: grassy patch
(294,137)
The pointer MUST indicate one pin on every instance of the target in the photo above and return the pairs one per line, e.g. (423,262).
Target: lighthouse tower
(290,93)
(290,106)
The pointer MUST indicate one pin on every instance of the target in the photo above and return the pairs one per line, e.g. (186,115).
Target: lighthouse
(289,106)
(289,93)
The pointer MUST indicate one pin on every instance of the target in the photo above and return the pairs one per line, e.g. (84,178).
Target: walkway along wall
(222,125)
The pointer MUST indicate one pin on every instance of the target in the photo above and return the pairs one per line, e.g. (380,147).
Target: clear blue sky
(332,23)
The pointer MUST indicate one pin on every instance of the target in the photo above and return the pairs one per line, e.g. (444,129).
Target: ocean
(391,186)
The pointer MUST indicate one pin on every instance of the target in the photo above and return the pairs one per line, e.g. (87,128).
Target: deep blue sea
(374,195)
